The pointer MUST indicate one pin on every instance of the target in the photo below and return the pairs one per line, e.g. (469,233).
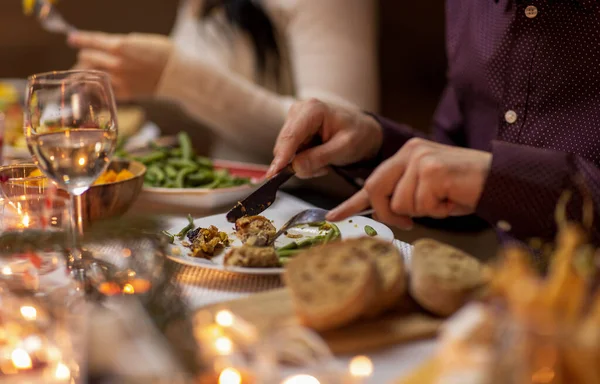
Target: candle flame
(361,366)
(28,312)
(224,318)
(301,379)
(7,270)
(224,345)
(62,372)
(129,289)
(20,359)
(81,161)
(230,376)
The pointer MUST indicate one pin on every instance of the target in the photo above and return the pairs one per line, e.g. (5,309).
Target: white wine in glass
(71,129)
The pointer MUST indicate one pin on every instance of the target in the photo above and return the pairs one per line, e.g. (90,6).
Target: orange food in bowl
(107,177)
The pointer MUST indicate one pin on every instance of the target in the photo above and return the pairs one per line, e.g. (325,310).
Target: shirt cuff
(522,189)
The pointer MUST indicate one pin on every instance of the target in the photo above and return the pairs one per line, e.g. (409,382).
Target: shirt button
(510,116)
(531,11)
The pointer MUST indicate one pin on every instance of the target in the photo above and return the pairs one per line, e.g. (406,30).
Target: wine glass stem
(76,227)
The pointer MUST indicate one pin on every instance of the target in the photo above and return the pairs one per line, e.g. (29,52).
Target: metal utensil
(308,216)
(50,19)
(262,198)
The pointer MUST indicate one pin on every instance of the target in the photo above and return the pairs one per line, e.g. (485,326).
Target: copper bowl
(101,201)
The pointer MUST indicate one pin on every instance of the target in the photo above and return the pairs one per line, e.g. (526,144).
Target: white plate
(353,227)
(196,199)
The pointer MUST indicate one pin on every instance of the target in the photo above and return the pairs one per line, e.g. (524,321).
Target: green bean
(181,163)
(170,171)
(152,157)
(336,232)
(204,162)
(311,241)
(370,230)
(179,181)
(187,228)
(185,144)
(175,152)
(202,176)
(292,245)
(288,253)
(159,174)
(170,236)
(170,184)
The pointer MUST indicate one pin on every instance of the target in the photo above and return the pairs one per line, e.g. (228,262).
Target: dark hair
(250,17)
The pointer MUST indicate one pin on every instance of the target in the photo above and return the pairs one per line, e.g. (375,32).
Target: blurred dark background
(411,49)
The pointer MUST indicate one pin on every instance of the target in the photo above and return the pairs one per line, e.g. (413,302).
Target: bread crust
(351,304)
(390,266)
(443,277)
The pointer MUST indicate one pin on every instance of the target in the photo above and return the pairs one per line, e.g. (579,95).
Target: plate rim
(187,260)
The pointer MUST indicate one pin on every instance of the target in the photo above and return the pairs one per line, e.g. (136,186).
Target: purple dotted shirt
(524,84)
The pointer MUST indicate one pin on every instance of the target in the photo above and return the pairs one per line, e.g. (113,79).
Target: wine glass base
(89,272)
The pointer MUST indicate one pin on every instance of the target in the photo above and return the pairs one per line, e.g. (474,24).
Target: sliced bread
(332,285)
(443,277)
(390,265)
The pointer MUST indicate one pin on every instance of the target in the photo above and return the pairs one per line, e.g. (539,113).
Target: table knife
(262,198)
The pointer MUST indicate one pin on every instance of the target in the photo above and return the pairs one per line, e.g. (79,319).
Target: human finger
(96,40)
(355,204)
(95,59)
(303,122)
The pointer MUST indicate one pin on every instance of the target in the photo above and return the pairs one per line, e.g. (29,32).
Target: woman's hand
(134,61)
(422,179)
(348,136)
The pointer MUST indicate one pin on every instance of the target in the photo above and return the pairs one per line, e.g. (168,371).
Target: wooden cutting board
(265,310)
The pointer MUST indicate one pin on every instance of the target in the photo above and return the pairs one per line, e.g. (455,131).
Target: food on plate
(252,257)
(328,232)
(443,278)
(370,230)
(206,242)
(107,177)
(390,265)
(179,167)
(255,230)
(332,284)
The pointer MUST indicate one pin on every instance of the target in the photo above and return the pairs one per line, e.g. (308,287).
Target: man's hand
(422,179)
(348,136)
(135,61)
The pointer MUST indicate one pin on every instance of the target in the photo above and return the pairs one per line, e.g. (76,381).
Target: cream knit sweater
(329,52)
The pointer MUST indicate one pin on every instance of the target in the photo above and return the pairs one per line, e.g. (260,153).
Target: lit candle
(237,325)
(230,376)
(301,379)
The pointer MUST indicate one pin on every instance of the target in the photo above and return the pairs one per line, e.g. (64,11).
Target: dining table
(203,287)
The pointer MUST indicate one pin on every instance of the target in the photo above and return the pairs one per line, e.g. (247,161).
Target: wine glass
(71,132)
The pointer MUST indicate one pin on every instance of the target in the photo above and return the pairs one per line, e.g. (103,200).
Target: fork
(309,216)
(50,19)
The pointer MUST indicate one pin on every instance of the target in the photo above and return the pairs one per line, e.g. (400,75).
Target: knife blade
(262,198)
